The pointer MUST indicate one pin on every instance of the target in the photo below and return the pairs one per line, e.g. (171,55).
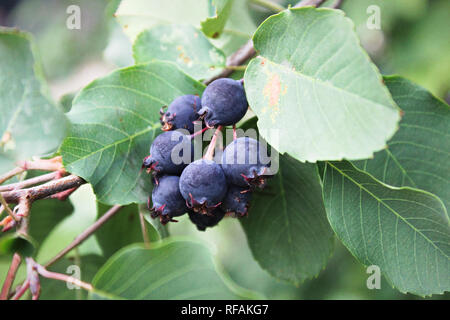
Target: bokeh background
(413,41)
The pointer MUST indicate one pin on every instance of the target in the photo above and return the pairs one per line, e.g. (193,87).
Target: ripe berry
(203,185)
(166,154)
(223,102)
(237,200)
(203,221)
(242,163)
(167,200)
(181,114)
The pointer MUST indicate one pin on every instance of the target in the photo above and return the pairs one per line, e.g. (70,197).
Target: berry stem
(210,152)
(198,132)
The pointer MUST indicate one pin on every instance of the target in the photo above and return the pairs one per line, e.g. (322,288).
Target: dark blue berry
(181,113)
(167,154)
(167,201)
(244,163)
(203,185)
(237,200)
(223,102)
(203,221)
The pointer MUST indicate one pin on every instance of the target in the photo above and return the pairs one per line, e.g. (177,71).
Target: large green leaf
(169,270)
(182,44)
(122,229)
(314,84)
(114,120)
(404,231)
(213,26)
(287,228)
(45,215)
(30,124)
(418,154)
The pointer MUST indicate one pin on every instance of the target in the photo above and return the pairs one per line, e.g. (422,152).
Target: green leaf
(138,15)
(45,215)
(30,124)
(169,270)
(15,242)
(404,231)
(182,44)
(418,154)
(121,230)
(314,84)
(287,228)
(114,120)
(87,266)
(213,26)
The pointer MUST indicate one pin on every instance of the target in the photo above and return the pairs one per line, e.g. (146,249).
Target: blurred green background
(413,41)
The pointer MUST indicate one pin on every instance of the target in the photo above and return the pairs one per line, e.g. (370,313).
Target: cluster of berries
(203,188)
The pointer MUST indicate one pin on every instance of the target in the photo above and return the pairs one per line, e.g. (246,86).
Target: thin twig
(30,182)
(337,4)
(44,190)
(62,277)
(306,3)
(21,290)
(272,6)
(54,164)
(7,208)
(85,234)
(10,174)
(15,263)
(236,59)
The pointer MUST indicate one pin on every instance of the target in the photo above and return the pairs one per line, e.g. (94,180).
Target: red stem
(16,260)
(210,152)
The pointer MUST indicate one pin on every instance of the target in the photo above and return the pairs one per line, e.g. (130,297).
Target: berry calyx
(167,201)
(245,163)
(170,152)
(236,201)
(203,221)
(203,185)
(181,113)
(223,103)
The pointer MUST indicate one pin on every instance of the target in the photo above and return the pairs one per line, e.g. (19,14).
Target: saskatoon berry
(162,153)
(202,221)
(237,200)
(242,163)
(181,114)
(167,200)
(223,102)
(203,185)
